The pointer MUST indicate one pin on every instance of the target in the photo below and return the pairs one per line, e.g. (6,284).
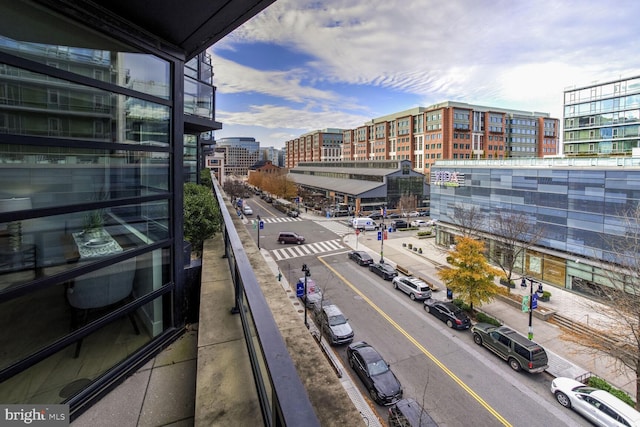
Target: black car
(449,313)
(399,223)
(383,386)
(394,215)
(374,215)
(383,270)
(361,257)
(293,213)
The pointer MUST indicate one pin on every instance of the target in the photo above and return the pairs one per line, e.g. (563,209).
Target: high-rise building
(602,118)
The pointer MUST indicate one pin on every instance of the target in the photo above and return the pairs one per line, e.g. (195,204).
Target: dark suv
(516,349)
(399,223)
(290,237)
(408,413)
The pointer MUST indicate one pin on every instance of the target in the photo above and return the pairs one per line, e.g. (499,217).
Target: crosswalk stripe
(308,249)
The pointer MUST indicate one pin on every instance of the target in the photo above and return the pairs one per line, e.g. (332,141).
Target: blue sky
(303,65)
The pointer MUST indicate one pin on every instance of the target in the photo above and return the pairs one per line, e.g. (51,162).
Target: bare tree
(469,220)
(513,233)
(616,320)
(407,203)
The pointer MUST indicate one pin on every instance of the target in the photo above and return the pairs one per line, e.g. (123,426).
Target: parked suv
(290,237)
(412,286)
(333,323)
(520,352)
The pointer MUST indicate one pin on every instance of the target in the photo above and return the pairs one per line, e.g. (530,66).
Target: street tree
(233,187)
(468,219)
(407,203)
(513,233)
(202,217)
(471,278)
(615,315)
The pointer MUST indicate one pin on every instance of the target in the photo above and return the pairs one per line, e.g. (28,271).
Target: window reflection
(137,71)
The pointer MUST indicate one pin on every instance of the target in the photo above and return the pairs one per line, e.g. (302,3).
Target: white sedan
(419,223)
(598,406)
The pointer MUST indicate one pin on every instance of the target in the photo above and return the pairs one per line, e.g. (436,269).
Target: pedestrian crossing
(337,227)
(295,251)
(276,220)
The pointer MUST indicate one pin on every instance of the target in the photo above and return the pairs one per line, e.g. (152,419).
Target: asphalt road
(459,383)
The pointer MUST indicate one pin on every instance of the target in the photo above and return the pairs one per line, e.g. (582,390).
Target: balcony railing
(283,398)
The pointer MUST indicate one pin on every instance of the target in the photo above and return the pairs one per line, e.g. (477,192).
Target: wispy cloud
(493,52)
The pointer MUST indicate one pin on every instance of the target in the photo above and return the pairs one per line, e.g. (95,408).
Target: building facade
(361,186)
(453,130)
(100,120)
(580,204)
(318,146)
(602,119)
(240,153)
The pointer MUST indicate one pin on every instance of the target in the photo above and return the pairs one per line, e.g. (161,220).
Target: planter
(419,250)
(410,245)
(510,284)
(404,245)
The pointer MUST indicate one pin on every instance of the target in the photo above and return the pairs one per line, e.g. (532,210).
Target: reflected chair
(99,289)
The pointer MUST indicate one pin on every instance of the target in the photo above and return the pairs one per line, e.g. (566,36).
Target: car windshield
(378,367)
(337,320)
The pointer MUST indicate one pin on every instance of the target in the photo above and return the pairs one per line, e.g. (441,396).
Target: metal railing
(283,398)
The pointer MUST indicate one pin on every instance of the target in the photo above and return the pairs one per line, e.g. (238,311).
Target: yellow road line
(446,370)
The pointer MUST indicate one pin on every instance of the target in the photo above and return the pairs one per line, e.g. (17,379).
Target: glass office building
(602,118)
(580,203)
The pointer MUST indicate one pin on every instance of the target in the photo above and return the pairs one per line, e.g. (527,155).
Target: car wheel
(282,242)
(427,309)
(450,323)
(477,339)
(299,242)
(412,296)
(563,399)
(395,285)
(515,365)
(374,395)
(351,363)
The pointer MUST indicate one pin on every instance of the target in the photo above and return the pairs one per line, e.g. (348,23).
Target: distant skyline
(303,65)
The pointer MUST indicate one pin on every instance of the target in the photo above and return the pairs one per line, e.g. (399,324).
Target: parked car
(598,406)
(399,223)
(290,237)
(394,215)
(361,257)
(409,413)
(412,286)
(516,349)
(293,213)
(384,388)
(449,313)
(333,323)
(383,270)
(375,215)
(423,213)
(247,210)
(314,294)
(413,214)
(419,223)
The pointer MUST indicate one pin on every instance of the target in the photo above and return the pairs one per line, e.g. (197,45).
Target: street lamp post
(258,227)
(307,273)
(531,307)
(384,213)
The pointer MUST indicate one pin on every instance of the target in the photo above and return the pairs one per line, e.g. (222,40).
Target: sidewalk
(566,358)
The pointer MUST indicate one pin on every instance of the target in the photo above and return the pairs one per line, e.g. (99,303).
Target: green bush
(461,304)
(205,178)
(487,319)
(201,215)
(423,233)
(601,384)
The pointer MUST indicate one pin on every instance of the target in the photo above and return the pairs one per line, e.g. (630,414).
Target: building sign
(447,179)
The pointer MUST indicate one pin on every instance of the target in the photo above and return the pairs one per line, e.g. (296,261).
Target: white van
(364,224)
